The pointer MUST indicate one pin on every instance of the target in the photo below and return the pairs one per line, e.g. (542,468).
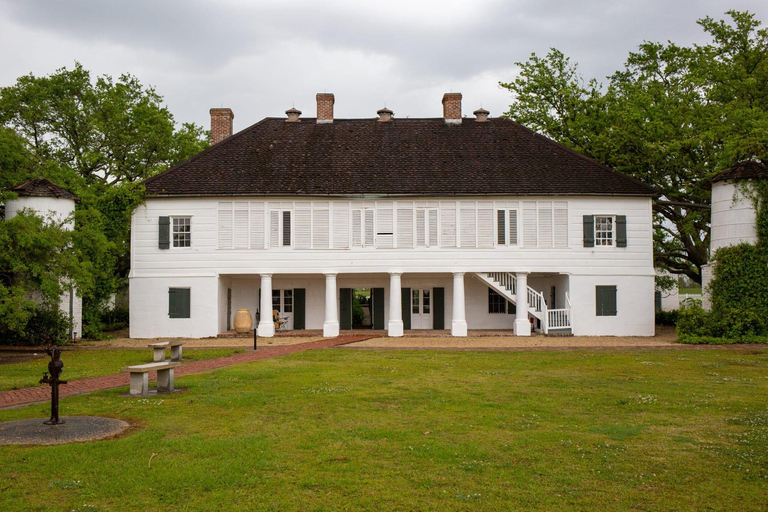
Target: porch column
(331,324)
(266,328)
(459,321)
(395,325)
(522,324)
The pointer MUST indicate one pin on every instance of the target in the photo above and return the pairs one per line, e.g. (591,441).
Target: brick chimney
(452,107)
(324,107)
(221,124)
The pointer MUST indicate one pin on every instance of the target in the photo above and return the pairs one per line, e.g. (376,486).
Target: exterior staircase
(505,284)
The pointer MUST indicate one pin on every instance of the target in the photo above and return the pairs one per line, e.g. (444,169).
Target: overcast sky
(262,57)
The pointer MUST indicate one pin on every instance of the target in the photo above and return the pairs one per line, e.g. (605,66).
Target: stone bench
(140,377)
(158,350)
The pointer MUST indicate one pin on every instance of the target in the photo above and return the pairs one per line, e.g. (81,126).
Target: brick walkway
(34,394)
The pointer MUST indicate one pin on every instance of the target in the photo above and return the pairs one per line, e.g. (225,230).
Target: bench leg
(159,355)
(165,380)
(140,384)
(176,353)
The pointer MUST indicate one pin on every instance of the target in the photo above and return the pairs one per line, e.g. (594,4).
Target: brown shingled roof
(746,170)
(41,187)
(403,157)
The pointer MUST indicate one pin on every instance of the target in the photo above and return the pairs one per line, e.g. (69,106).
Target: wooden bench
(140,377)
(158,350)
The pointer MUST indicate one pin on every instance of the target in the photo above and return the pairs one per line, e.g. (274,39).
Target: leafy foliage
(99,139)
(673,117)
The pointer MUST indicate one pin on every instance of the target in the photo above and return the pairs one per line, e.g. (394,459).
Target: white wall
(733,217)
(56,209)
(635,306)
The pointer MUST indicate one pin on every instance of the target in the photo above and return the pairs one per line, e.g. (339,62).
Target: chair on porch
(279,322)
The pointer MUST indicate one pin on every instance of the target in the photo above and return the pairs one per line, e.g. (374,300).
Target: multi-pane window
(603,230)
(287,301)
(415,301)
(496,303)
(276,300)
(182,236)
(425,302)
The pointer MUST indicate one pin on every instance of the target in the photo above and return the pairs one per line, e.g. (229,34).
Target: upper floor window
(426,227)
(182,234)
(280,228)
(604,233)
(506,226)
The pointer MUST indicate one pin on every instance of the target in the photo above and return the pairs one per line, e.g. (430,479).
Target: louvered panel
(485,224)
(320,227)
(357,228)
(561,223)
(384,225)
(257,225)
(341,225)
(432,225)
(421,240)
(512,227)
(274,229)
(529,224)
(501,227)
(448,224)
(368,227)
(545,224)
(404,225)
(302,226)
(468,224)
(241,231)
(225,225)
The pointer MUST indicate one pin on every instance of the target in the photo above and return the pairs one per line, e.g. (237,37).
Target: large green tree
(99,138)
(673,117)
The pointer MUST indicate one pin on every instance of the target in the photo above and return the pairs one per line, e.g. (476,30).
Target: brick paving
(16,397)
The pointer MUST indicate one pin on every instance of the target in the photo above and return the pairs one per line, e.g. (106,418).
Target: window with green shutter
(605,300)
(178,302)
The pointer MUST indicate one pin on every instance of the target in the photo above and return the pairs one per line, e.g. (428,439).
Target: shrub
(666,317)
(45,327)
(115,319)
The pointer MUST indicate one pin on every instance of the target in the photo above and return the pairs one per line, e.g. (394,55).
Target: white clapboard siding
(561,223)
(404,224)
(257,224)
(529,224)
(468,224)
(241,229)
(225,225)
(385,225)
(341,225)
(485,224)
(448,224)
(321,234)
(302,225)
(545,224)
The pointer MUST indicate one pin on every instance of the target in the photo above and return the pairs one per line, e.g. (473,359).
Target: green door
(438,308)
(345,308)
(377,295)
(299,308)
(406,307)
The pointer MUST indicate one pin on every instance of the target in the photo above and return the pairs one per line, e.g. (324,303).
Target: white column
(331,324)
(522,324)
(459,321)
(395,325)
(266,328)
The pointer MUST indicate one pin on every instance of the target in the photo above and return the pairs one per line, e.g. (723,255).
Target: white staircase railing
(505,283)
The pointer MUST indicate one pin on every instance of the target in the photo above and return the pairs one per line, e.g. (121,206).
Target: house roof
(746,170)
(401,157)
(41,187)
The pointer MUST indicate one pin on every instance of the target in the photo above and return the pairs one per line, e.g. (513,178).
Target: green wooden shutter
(377,295)
(299,308)
(345,309)
(605,300)
(405,299)
(438,308)
(657,298)
(621,231)
(501,229)
(178,302)
(589,231)
(164,240)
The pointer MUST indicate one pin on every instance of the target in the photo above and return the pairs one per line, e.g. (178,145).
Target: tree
(99,139)
(673,117)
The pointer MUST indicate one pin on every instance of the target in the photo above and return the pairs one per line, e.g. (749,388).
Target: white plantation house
(448,223)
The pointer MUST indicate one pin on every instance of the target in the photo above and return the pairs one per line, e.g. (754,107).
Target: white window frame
(280,226)
(506,211)
(174,232)
(363,209)
(429,213)
(611,242)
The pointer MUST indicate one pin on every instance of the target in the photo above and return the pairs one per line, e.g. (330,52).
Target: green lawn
(79,364)
(416,430)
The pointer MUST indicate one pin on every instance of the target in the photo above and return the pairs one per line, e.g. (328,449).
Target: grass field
(419,430)
(79,364)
